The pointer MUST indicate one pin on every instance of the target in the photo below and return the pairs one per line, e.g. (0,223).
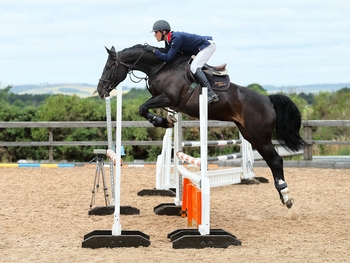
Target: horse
(258,117)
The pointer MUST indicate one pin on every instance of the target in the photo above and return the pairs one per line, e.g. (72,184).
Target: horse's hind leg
(275,162)
(159,101)
(264,146)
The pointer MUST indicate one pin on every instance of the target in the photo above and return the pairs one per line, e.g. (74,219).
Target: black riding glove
(149,48)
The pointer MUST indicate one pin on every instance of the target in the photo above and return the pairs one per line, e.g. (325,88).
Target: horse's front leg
(159,101)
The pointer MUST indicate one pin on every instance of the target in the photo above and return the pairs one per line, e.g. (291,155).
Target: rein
(131,70)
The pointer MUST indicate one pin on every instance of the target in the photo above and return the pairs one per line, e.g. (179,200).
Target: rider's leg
(203,81)
(196,68)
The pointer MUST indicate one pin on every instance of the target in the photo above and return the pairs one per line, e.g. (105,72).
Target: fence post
(51,147)
(308,137)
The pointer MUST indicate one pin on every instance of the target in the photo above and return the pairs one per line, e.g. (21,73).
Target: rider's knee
(194,68)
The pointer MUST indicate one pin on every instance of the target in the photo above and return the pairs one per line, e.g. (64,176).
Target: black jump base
(191,238)
(105,239)
(262,179)
(109,210)
(254,180)
(157,192)
(169,209)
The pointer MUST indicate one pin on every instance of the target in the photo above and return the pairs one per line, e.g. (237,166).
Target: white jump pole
(247,159)
(116,229)
(163,180)
(177,147)
(110,144)
(204,228)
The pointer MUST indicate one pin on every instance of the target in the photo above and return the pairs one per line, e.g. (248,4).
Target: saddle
(217,76)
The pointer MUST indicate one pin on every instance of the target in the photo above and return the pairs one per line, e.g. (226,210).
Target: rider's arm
(170,55)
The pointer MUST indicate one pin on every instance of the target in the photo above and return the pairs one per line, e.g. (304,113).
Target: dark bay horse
(257,117)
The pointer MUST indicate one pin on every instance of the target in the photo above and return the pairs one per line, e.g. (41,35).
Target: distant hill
(314,88)
(81,90)
(87,90)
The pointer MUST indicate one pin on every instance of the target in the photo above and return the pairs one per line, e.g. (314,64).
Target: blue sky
(271,42)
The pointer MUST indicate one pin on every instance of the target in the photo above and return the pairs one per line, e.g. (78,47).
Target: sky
(270,42)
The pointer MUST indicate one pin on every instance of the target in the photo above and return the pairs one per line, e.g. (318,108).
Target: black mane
(134,46)
(178,55)
(178,60)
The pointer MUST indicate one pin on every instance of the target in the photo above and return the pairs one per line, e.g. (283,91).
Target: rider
(188,44)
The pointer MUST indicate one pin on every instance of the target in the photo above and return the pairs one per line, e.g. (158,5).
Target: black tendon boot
(203,81)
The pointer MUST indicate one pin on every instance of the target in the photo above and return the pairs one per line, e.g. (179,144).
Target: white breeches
(203,56)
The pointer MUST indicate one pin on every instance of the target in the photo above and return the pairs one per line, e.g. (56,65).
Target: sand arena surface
(44,216)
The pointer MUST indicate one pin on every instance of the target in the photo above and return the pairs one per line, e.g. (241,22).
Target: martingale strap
(188,94)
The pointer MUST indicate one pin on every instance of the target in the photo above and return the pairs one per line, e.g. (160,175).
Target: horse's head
(113,73)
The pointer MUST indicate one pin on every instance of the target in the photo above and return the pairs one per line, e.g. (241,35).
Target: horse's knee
(157,121)
(143,110)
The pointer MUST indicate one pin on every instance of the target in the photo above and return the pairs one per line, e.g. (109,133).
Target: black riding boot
(203,81)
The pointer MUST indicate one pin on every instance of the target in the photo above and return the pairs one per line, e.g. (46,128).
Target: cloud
(266,42)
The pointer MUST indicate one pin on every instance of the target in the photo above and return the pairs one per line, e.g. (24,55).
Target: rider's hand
(149,48)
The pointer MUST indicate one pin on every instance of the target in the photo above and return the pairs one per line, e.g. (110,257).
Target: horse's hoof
(289,203)
(171,119)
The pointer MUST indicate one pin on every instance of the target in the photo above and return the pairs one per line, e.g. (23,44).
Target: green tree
(5,93)
(301,104)
(332,106)
(257,88)
(14,107)
(72,108)
(135,93)
(310,98)
(131,113)
(10,113)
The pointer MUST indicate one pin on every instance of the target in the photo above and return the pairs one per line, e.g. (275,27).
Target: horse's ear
(109,51)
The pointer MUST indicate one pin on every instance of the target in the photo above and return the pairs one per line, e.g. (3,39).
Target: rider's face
(158,35)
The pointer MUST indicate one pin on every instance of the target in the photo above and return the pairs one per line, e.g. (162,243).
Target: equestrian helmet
(161,25)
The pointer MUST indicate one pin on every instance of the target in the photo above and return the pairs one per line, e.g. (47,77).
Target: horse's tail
(288,122)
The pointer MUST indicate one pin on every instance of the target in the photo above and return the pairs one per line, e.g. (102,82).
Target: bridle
(108,84)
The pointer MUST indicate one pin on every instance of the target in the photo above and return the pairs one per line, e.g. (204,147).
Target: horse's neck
(149,64)
(140,60)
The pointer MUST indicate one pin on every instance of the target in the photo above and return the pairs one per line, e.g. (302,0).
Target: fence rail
(307,127)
